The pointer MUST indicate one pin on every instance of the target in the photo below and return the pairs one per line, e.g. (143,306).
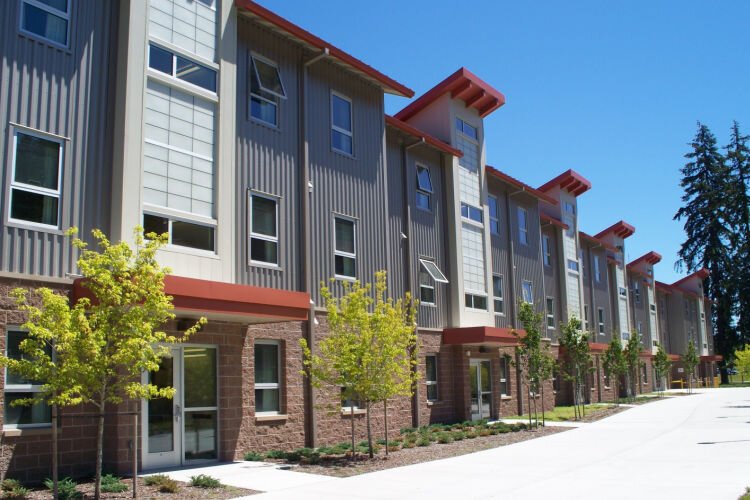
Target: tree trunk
(544,421)
(99,452)
(369,431)
(351,415)
(54,451)
(385,424)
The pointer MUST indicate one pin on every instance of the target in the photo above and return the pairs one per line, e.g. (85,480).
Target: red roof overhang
(481,335)
(663,287)
(650,258)
(597,347)
(214,298)
(592,239)
(712,357)
(552,220)
(520,185)
(570,181)
(673,357)
(415,132)
(270,18)
(464,85)
(621,229)
(700,274)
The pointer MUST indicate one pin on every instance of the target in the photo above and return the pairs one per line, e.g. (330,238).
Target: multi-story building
(265,153)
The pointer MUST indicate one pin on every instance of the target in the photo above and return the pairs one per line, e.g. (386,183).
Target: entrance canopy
(482,335)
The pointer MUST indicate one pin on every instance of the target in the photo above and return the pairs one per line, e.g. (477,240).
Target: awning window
(434,271)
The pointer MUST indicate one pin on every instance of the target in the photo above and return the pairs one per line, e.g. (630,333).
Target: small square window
(46,19)
(471,212)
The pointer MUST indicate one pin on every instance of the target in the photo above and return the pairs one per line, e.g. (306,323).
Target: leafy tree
(706,180)
(534,357)
(574,343)
(615,365)
(662,365)
(95,351)
(742,361)
(690,360)
(632,353)
(370,351)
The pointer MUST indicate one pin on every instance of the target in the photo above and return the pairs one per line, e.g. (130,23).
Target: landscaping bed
(413,446)
(592,412)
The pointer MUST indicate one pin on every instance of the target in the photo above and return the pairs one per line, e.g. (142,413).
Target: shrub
(393,447)
(407,430)
(471,435)
(10,484)
(328,450)
(411,444)
(155,480)
(444,438)
(253,456)
(484,432)
(276,454)
(204,481)
(293,456)
(345,445)
(66,488)
(113,484)
(17,493)
(169,486)
(423,442)
(459,436)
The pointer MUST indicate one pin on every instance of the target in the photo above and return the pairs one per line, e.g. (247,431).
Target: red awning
(712,357)
(481,335)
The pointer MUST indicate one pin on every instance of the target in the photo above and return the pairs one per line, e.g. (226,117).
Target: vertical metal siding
(396,215)
(602,297)
(500,252)
(527,257)
(68,93)
(551,275)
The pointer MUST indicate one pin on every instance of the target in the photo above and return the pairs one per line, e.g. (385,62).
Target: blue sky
(610,89)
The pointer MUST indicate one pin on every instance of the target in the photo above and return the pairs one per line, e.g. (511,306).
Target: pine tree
(705,181)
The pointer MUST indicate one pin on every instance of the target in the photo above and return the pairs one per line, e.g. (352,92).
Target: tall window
(267,375)
(523,226)
(169,63)
(597,270)
(600,317)
(431,378)
(550,313)
(46,19)
(637,291)
(37,179)
(497,293)
(16,387)
(266,88)
(528,292)
(546,251)
(504,376)
(264,230)
(424,188)
(342,138)
(586,317)
(494,214)
(345,255)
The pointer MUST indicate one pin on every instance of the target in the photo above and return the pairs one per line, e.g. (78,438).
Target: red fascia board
(663,287)
(593,239)
(712,357)
(413,131)
(649,258)
(674,357)
(570,181)
(552,220)
(481,335)
(388,83)
(463,84)
(700,274)
(515,182)
(597,347)
(621,229)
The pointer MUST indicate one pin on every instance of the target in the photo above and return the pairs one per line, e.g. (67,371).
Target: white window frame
(274,64)
(586,317)
(36,189)
(467,218)
(637,291)
(264,237)
(597,270)
(473,294)
(267,385)
(573,266)
(428,382)
(504,376)
(173,76)
(342,253)
(494,218)
(424,192)
(422,270)
(531,291)
(174,215)
(600,319)
(345,409)
(20,388)
(550,315)
(349,133)
(546,251)
(274,102)
(51,10)
(523,229)
(499,298)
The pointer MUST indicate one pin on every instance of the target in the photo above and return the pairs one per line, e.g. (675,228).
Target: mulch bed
(344,467)
(144,492)
(601,413)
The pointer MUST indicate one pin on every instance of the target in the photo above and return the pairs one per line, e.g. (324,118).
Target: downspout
(305,253)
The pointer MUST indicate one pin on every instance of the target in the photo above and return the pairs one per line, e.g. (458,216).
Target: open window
(266,88)
(429,274)
(424,188)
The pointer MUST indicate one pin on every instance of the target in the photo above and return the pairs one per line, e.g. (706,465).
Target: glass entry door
(183,429)
(481,388)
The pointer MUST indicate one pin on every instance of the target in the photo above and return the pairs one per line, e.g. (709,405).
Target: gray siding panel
(500,251)
(552,275)
(67,93)
(396,216)
(528,257)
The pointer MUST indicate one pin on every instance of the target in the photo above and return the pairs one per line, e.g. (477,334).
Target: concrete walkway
(692,447)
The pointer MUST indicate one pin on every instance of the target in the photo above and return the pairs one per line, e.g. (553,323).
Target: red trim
(621,229)
(413,131)
(480,335)
(592,239)
(700,274)
(646,354)
(650,258)
(664,287)
(597,347)
(570,181)
(515,182)
(552,220)
(389,85)
(673,357)
(464,85)
(214,297)
(712,357)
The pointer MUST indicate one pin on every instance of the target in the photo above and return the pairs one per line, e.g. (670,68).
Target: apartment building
(265,153)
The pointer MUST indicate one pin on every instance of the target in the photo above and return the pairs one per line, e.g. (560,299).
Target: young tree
(742,362)
(370,350)
(615,365)
(662,365)
(632,353)
(574,344)
(534,357)
(707,223)
(95,351)
(690,360)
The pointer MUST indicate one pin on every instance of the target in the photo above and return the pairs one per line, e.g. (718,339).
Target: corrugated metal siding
(601,298)
(551,274)
(396,215)
(68,93)
(268,159)
(500,250)
(640,310)
(527,257)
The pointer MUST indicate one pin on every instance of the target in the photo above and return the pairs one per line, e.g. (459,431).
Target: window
(550,313)
(573,265)
(424,188)
(431,379)
(341,124)
(267,375)
(600,317)
(570,208)
(546,251)
(528,292)
(494,214)
(640,328)
(181,233)
(586,317)
(37,178)
(16,388)
(644,373)
(623,292)
(352,402)
(652,307)
(474,301)
(471,212)
(597,270)
(46,19)
(466,129)
(266,88)
(523,227)
(637,291)
(497,294)
(344,247)
(504,376)
(426,288)
(182,68)
(264,230)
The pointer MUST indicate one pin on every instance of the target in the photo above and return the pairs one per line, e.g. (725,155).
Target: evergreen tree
(705,181)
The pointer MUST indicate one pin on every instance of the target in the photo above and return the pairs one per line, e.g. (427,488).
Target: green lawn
(566,413)
(737,381)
